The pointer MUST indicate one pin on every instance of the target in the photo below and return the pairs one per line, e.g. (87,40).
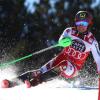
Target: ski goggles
(82,23)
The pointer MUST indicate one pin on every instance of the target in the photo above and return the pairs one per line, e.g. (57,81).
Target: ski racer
(73,57)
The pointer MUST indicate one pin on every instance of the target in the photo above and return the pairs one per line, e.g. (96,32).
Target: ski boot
(36,77)
(31,78)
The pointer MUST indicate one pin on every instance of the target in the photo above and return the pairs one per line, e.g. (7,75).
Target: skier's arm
(96,54)
(64,34)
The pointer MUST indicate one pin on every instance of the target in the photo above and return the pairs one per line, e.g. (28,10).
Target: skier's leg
(55,62)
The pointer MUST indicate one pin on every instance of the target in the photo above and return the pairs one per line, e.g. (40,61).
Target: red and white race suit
(72,58)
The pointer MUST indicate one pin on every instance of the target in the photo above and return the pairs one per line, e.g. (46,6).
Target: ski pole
(62,43)
(99,88)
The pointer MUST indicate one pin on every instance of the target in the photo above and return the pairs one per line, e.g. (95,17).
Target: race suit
(73,57)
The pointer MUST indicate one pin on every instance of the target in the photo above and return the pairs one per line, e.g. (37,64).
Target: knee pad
(68,71)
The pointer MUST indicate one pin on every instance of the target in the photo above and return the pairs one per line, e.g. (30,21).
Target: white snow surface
(52,90)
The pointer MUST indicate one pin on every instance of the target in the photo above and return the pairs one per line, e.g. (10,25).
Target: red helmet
(84,16)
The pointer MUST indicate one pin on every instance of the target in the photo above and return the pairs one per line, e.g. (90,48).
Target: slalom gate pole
(99,89)
(62,43)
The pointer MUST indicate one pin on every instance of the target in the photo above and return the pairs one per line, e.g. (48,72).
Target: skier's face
(82,29)
(82,26)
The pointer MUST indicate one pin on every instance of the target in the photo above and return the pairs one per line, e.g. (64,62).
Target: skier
(73,57)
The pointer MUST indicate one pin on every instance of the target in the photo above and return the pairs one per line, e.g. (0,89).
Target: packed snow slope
(52,90)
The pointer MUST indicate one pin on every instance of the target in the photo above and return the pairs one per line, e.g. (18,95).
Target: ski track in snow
(54,89)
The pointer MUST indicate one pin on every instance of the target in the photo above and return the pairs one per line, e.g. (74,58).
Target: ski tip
(5,83)
(27,83)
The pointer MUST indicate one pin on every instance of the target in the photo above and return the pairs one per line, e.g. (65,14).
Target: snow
(52,90)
